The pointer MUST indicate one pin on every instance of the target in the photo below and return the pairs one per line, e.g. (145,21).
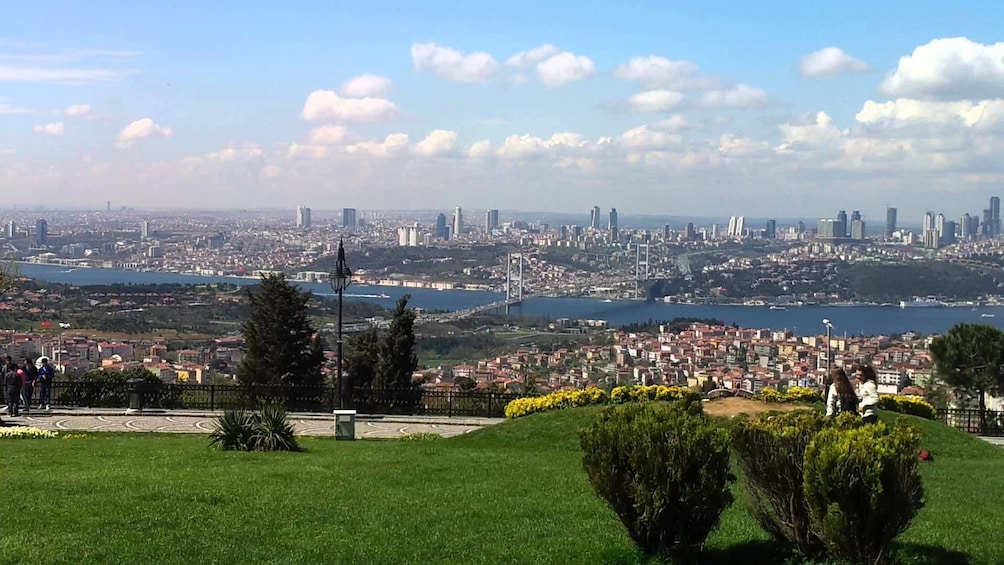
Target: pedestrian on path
(12,379)
(28,389)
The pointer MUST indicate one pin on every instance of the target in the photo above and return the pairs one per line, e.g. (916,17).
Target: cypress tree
(397,360)
(280,342)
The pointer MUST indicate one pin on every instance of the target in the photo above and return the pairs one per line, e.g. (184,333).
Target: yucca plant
(273,432)
(235,431)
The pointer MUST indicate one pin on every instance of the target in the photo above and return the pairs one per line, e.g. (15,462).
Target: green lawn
(510,493)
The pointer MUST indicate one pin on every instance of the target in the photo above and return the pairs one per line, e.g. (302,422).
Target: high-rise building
(612,224)
(890,221)
(855,215)
(491,220)
(11,230)
(349,218)
(144,230)
(964,226)
(771,230)
(691,232)
(828,229)
(594,218)
(41,233)
(665,231)
(441,226)
(948,232)
(939,226)
(799,227)
(458,221)
(108,205)
(736,226)
(858,229)
(995,215)
(302,217)
(841,229)
(929,221)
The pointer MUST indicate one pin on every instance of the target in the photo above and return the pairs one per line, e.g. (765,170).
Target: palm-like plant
(235,431)
(273,432)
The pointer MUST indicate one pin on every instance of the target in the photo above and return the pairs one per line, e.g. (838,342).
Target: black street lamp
(341,278)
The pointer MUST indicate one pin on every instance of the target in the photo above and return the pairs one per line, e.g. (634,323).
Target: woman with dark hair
(868,393)
(841,397)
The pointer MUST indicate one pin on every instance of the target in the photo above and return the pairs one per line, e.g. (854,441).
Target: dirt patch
(729,407)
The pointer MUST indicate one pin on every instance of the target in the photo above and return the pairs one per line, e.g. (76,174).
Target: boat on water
(921,303)
(776,307)
(988,315)
(608,300)
(382,295)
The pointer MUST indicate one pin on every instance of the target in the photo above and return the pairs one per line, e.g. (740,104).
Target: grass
(510,493)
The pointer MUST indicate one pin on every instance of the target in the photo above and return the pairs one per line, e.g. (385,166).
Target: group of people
(19,383)
(860,398)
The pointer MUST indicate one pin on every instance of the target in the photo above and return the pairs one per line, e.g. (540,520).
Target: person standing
(45,376)
(868,393)
(841,397)
(28,390)
(12,387)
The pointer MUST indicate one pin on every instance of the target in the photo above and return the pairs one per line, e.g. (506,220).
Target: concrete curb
(310,416)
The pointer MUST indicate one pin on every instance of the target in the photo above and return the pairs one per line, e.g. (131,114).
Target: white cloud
(525,146)
(366,85)
(141,129)
(298,151)
(438,142)
(393,144)
(740,96)
(654,100)
(564,68)
(10,109)
(904,112)
(533,56)
(327,105)
(659,72)
(451,64)
(830,61)
(54,129)
(951,69)
(77,111)
(480,149)
(674,123)
(328,134)
(251,152)
(643,137)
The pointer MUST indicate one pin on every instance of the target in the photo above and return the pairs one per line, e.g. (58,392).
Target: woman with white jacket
(868,393)
(840,397)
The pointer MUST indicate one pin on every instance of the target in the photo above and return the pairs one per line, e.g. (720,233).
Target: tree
(398,362)
(280,342)
(362,358)
(9,276)
(971,357)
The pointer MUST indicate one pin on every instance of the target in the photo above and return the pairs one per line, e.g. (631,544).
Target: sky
(766,109)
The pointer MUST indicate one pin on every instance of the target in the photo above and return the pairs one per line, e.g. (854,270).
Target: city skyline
(380,108)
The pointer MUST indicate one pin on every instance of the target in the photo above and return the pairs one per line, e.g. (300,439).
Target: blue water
(867,320)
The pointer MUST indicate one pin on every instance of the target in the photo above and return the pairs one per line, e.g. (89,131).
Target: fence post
(212,397)
(449,408)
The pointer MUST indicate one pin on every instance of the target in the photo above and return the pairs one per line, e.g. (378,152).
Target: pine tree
(362,358)
(397,360)
(280,345)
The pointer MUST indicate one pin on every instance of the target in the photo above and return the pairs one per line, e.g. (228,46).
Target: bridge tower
(513,280)
(641,272)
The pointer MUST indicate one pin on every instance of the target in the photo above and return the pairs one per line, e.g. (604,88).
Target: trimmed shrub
(664,470)
(794,394)
(862,488)
(912,405)
(769,449)
(593,396)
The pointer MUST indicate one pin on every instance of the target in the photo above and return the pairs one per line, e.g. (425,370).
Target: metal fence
(321,399)
(989,423)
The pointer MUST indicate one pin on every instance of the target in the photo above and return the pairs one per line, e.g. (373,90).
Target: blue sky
(218,97)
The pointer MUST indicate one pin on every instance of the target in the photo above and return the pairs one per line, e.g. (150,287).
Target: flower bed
(794,394)
(594,396)
(912,405)
(24,432)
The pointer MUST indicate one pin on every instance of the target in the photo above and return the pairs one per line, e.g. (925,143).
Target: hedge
(593,396)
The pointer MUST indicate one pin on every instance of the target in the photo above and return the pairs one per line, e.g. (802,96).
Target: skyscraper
(594,218)
(841,229)
(890,221)
(441,226)
(855,215)
(928,221)
(144,230)
(458,221)
(349,218)
(612,224)
(858,230)
(11,230)
(41,233)
(302,217)
(491,220)
(995,215)
(771,231)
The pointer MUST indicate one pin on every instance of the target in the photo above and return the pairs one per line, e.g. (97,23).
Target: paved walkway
(367,426)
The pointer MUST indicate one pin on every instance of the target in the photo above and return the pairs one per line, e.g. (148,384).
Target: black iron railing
(321,399)
(988,423)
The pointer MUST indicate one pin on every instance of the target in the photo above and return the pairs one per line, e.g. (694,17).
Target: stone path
(370,427)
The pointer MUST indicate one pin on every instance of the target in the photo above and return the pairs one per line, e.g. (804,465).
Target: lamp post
(59,354)
(829,356)
(341,278)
